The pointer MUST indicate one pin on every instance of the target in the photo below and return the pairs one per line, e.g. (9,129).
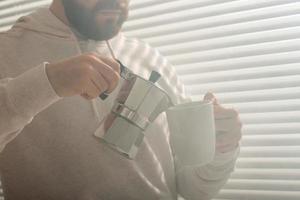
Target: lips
(109,12)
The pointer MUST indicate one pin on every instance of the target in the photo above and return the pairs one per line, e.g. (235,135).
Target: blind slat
(253,195)
(271,140)
(247,85)
(209,29)
(274,163)
(183,46)
(259,184)
(226,13)
(268,174)
(257,95)
(267,106)
(271,129)
(242,74)
(236,52)
(271,151)
(276,59)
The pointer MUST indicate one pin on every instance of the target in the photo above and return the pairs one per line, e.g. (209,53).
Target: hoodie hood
(45,22)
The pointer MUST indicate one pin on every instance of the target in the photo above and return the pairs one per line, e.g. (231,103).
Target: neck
(57,9)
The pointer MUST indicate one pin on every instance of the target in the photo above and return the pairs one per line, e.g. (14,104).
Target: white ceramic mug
(192,132)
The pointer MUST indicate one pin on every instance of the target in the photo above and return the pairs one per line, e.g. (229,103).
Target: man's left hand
(228,126)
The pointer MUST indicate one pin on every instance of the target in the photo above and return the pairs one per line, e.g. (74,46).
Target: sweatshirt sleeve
(204,182)
(21,98)
(200,182)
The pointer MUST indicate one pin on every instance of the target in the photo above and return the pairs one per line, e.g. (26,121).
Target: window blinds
(248,53)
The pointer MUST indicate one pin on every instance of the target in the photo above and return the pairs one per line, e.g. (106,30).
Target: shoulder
(10,49)
(10,37)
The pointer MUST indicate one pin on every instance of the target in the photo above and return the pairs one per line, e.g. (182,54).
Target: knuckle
(86,56)
(95,57)
(113,78)
(91,57)
(86,70)
(83,77)
(101,57)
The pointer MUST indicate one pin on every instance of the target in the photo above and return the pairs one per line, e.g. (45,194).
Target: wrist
(52,78)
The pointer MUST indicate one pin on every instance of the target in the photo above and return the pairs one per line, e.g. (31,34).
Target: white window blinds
(248,53)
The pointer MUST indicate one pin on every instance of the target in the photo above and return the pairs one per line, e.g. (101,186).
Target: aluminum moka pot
(137,105)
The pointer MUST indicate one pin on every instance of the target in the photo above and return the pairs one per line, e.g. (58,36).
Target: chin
(100,36)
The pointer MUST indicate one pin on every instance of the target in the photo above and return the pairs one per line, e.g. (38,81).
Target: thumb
(211,97)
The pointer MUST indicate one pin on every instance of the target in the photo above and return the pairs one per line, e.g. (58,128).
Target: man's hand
(87,75)
(228,126)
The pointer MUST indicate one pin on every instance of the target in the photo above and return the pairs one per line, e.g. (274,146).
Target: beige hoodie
(48,146)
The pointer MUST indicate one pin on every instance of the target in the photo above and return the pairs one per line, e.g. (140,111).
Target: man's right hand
(87,75)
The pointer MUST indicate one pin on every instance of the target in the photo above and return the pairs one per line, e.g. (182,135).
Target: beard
(91,23)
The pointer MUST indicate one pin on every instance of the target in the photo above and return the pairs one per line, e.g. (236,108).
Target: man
(54,64)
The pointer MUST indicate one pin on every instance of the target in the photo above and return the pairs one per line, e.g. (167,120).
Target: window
(248,53)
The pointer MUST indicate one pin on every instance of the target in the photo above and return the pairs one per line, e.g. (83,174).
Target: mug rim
(192,104)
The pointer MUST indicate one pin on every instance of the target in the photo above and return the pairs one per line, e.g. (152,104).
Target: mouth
(109,12)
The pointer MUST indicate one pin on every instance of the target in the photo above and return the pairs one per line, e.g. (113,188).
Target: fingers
(108,73)
(100,82)
(225,113)
(228,124)
(228,141)
(211,97)
(226,148)
(91,92)
(219,110)
(86,96)
(108,61)
(97,85)
(228,133)
(227,138)
(112,63)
